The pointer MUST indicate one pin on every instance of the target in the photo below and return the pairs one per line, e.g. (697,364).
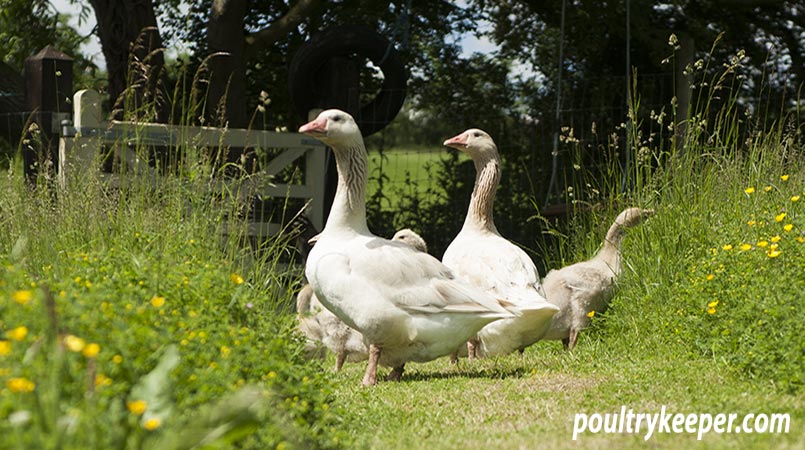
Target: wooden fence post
(48,86)
(79,152)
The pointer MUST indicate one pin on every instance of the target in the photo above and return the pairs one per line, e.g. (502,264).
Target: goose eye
(336,118)
(476,134)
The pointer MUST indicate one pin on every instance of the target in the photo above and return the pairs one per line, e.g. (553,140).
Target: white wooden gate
(80,146)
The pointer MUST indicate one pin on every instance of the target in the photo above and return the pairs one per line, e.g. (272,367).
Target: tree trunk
(129,33)
(226,97)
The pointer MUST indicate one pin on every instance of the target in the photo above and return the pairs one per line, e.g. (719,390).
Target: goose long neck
(349,204)
(487,178)
(611,252)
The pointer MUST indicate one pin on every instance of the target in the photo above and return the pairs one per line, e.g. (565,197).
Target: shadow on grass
(466,372)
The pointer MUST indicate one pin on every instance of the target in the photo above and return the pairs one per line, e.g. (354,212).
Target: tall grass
(136,312)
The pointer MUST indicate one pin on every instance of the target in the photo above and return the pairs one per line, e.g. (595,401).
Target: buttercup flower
(152,424)
(22,297)
(749,190)
(784,177)
(751,223)
(591,314)
(746,247)
(5,348)
(91,350)
(788,227)
(727,247)
(762,243)
(157,301)
(710,277)
(18,333)
(779,217)
(74,343)
(773,253)
(137,407)
(775,238)
(20,385)
(235,278)
(795,198)
(767,188)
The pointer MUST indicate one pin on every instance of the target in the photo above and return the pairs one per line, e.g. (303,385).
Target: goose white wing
(382,274)
(496,266)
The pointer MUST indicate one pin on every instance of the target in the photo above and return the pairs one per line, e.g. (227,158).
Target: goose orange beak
(317,127)
(458,142)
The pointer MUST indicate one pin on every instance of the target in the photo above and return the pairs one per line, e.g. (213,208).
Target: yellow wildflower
(746,247)
(591,314)
(767,188)
(788,227)
(775,238)
(20,385)
(711,310)
(5,348)
(157,301)
(779,217)
(137,407)
(235,278)
(74,343)
(727,247)
(800,239)
(749,190)
(751,223)
(773,253)
(761,243)
(712,304)
(102,380)
(117,359)
(710,277)
(18,333)
(784,177)
(773,246)
(795,198)
(22,297)
(91,350)
(152,424)
(225,351)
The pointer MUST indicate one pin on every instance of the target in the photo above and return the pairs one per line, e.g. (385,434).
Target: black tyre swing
(305,74)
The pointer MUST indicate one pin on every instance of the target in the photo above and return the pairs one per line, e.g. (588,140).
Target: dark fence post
(48,89)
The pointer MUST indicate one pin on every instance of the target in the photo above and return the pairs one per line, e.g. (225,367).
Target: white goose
(407,305)
(321,327)
(586,287)
(480,255)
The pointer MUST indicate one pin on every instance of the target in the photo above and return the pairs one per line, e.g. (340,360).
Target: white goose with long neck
(493,264)
(407,304)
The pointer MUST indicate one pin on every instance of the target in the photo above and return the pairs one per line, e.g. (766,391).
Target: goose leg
(572,339)
(472,348)
(396,373)
(370,377)
(340,357)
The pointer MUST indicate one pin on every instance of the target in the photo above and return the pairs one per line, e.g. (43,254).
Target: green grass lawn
(530,401)
(404,169)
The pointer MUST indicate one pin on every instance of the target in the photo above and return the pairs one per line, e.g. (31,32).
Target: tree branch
(262,39)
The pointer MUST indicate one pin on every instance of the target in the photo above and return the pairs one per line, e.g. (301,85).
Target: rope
(555,152)
(626,180)
(401,26)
